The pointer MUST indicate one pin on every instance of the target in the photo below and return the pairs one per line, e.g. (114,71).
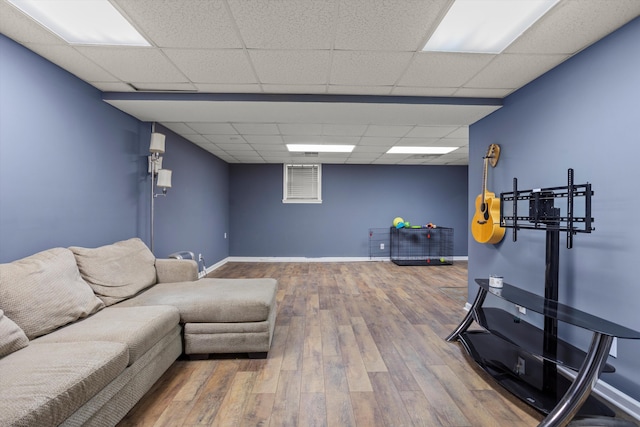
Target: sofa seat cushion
(139,328)
(44,291)
(43,384)
(117,271)
(214,300)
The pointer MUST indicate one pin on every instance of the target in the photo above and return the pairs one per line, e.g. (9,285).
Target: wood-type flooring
(355,344)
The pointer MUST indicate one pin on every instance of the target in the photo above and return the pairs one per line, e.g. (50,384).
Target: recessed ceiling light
(321,148)
(92,22)
(421,150)
(485,26)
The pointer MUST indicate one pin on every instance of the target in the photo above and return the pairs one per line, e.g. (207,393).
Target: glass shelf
(556,310)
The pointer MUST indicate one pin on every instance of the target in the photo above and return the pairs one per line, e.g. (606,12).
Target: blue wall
(194,215)
(581,115)
(73,169)
(355,198)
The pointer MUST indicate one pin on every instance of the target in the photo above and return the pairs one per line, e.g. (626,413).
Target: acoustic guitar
(485,226)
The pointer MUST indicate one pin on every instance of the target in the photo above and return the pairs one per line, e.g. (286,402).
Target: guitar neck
(484,178)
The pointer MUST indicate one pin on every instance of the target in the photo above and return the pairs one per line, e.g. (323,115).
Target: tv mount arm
(542,212)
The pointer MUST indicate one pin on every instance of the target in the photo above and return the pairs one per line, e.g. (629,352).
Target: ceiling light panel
(89,22)
(320,148)
(485,26)
(421,150)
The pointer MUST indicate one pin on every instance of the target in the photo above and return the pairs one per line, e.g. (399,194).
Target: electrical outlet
(200,257)
(382,246)
(521,310)
(225,235)
(520,366)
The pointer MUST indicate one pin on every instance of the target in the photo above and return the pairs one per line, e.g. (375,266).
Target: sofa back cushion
(44,291)
(118,271)
(12,338)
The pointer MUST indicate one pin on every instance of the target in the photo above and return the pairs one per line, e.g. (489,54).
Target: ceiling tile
(271,148)
(298,67)
(257,128)
(236,147)
(368,68)
(228,88)
(320,139)
(462,132)
(380,130)
(300,129)
(225,139)
(176,24)
(386,25)
(419,142)
(377,140)
(134,64)
(343,130)
(514,70)
(471,92)
(439,69)
(168,87)
(423,91)
(575,24)
(453,142)
(430,131)
(213,128)
(213,66)
(298,89)
(199,139)
(359,90)
(372,149)
(302,24)
(179,128)
(263,139)
(73,61)
(19,27)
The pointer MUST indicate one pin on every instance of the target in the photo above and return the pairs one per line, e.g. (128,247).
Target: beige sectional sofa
(85,332)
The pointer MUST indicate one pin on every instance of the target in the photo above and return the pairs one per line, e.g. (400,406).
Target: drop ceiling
(241,78)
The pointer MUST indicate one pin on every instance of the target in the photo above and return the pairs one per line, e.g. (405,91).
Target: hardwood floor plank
(292,358)
(420,409)
(394,414)
(312,365)
(353,364)
(258,409)
(471,407)
(202,370)
(445,407)
(313,410)
(355,344)
(366,411)
(286,406)
(329,334)
(267,378)
(370,355)
(232,408)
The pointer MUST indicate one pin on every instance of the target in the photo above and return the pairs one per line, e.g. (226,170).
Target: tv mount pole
(543,215)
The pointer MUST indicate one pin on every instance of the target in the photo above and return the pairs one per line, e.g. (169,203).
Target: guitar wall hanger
(493,154)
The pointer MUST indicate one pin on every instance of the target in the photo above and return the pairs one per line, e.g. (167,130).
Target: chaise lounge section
(85,332)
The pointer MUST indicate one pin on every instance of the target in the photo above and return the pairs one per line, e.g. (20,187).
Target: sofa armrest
(176,270)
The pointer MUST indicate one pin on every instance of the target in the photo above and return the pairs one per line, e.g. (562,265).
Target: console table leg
(470,317)
(584,382)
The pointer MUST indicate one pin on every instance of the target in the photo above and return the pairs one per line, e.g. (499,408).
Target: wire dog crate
(379,243)
(422,246)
